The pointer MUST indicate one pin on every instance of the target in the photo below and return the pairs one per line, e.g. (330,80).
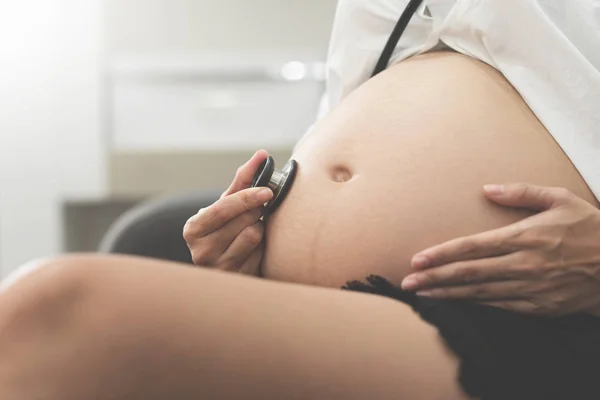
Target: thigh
(141,329)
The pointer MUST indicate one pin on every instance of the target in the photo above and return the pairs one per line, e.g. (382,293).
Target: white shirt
(549,50)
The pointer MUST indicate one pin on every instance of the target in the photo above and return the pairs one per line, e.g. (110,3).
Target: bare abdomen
(400,165)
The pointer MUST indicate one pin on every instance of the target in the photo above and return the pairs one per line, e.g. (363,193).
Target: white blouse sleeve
(360,31)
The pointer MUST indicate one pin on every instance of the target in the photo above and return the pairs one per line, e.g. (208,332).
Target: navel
(340,174)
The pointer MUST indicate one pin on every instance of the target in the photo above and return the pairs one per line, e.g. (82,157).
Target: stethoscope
(280,182)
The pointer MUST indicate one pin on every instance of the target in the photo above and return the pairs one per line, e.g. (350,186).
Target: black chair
(154,228)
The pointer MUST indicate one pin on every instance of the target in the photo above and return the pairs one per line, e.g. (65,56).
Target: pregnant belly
(399,166)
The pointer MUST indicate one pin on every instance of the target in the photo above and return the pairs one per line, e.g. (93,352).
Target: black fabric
(509,356)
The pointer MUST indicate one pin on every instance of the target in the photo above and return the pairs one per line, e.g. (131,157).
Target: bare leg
(128,328)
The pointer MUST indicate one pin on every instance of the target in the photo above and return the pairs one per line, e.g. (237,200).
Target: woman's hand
(548,264)
(228,235)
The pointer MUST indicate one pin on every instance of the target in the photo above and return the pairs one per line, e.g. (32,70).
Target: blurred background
(107,103)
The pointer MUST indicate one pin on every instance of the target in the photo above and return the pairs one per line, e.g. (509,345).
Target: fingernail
(410,283)
(494,189)
(420,261)
(264,195)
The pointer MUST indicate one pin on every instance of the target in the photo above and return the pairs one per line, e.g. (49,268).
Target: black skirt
(509,356)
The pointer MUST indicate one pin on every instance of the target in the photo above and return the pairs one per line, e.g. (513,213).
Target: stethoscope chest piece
(279,182)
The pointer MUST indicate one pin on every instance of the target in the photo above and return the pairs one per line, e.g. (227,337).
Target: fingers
(466,272)
(503,240)
(210,232)
(243,246)
(523,297)
(487,244)
(530,307)
(224,210)
(517,306)
(252,266)
(245,174)
(524,195)
(550,299)
(480,292)
(206,250)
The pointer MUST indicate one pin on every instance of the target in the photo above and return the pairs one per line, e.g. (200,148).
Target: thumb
(522,195)
(245,174)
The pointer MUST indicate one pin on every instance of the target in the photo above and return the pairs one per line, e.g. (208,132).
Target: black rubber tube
(399,29)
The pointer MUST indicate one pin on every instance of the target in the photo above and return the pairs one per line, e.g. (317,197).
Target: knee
(43,307)
(41,297)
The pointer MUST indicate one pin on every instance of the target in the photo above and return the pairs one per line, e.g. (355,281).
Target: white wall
(52,142)
(161,41)
(250,29)
(50,137)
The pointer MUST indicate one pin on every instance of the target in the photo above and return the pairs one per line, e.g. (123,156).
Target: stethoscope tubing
(280,182)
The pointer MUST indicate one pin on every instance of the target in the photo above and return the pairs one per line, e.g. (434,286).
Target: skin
(127,328)
(99,328)
(383,177)
(228,235)
(548,264)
